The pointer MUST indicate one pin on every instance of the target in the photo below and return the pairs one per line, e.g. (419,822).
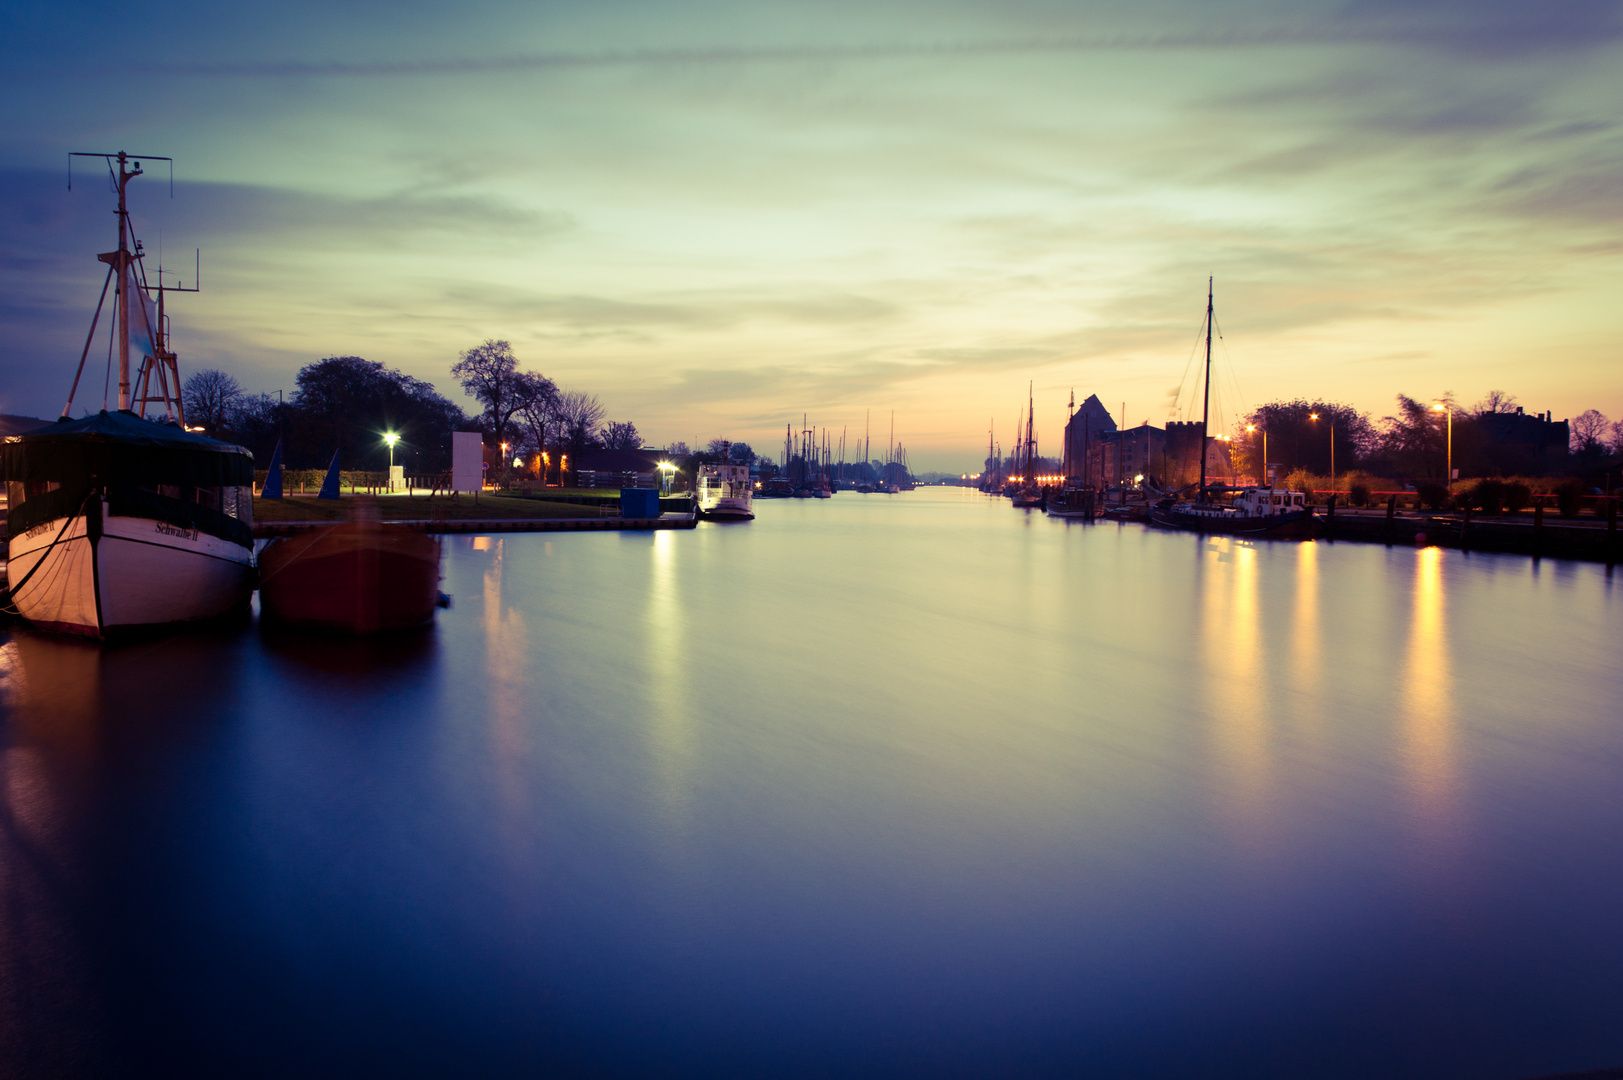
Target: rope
(12,590)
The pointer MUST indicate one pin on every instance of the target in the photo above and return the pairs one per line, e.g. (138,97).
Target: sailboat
(119,522)
(1256,512)
(1029,494)
(1070,501)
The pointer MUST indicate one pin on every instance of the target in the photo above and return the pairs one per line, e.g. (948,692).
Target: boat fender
(442,599)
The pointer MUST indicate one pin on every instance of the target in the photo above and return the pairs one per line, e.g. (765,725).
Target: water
(915,784)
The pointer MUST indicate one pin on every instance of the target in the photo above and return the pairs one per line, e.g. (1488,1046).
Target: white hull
(138,572)
(730,509)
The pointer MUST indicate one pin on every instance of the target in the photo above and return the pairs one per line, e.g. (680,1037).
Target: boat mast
(1206,400)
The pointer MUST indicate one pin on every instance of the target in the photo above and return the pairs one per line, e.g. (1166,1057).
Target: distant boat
(358,577)
(724,490)
(118,522)
(1262,511)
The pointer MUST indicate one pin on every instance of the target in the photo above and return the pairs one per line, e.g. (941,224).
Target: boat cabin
(1266,502)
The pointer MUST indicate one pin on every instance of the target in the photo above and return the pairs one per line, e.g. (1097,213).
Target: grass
(421,508)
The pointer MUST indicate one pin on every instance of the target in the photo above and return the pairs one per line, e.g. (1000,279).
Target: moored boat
(1255,512)
(724,490)
(357,577)
(116,521)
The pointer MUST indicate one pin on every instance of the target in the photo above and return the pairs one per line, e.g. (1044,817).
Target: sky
(721,216)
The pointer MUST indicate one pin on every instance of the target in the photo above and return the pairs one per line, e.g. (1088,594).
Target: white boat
(117,522)
(724,492)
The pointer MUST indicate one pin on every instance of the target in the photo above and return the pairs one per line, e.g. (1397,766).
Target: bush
(1487,496)
(1431,493)
(1305,482)
(1358,494)
(1518,497)
(1569,495)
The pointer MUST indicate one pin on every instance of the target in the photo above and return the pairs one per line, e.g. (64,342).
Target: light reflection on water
(867,785)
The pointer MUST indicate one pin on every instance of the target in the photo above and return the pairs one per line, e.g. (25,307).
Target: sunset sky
(717,216)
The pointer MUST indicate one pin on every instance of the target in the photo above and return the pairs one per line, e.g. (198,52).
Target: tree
(489,374)
(678,450)
(1414,437)
(1589,430)
(578,415)
(349,403)
(743,454)
(538,405)
(1494,403)
(1616,442)
(211,398)
(621,436)
(1298,441)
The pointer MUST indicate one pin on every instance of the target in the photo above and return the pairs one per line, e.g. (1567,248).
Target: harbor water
(876,785)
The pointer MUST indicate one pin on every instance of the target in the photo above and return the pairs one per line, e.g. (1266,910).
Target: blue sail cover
(273,478)
(329,486)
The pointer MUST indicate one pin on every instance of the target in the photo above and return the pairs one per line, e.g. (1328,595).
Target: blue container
(639,502)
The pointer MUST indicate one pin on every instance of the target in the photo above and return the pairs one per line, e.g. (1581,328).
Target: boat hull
(354,578)
(1297,525)
(110,574)
(729,509)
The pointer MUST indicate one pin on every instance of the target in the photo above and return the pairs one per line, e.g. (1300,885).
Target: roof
(129,429)
(619,461)
(16,425)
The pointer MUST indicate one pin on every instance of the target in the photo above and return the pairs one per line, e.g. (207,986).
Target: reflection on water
(1427,694)
(869,786)
(1241,698)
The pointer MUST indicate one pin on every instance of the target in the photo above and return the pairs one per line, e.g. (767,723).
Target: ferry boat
(724,491)
(115,521)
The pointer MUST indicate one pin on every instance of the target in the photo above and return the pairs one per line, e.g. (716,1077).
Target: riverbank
(1535,535)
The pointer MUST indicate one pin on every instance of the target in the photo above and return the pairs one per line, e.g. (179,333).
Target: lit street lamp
(1448,475)
(390,438)
(1264,475)
(1315,416)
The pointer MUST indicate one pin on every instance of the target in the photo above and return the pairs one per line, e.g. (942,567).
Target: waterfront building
(618,469)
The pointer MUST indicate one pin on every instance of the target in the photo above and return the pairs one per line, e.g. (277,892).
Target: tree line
(346,404)
(1418,439)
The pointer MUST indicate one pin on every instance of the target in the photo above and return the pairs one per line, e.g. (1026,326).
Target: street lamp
(389,439)
(1253,429)
(1315,416)
(1448,476)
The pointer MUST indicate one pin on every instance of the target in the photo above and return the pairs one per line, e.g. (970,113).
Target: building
(1518,444)
(1090,423)
(618,469)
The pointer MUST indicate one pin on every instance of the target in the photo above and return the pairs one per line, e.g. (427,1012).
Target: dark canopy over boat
(146,469)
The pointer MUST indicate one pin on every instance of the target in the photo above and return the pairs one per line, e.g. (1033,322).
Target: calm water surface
(877,785)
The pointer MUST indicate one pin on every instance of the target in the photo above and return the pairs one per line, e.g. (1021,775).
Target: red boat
(360,577)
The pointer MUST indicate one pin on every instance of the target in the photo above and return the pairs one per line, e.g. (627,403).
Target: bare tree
(1495,402)
(1589,431)
(489,372)
(538,405)
(1617,437)
(578,414)
(621,436)
(211,398)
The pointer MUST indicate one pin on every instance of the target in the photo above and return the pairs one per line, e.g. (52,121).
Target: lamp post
(389,439)
(1315,416)
(1448,474)
(1264,473)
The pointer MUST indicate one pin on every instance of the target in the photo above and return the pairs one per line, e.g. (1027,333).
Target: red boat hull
(355,578)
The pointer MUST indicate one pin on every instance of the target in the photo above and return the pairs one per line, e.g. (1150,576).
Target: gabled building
(1521,444)
(1088,425)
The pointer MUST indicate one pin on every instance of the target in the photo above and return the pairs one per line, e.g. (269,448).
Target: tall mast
(1206,399)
